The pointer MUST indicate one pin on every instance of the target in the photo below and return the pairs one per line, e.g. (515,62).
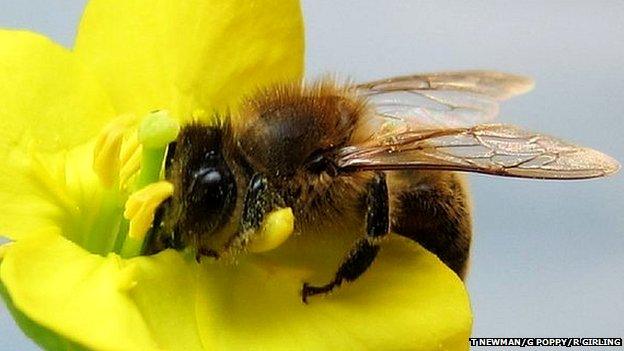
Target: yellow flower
(62,276)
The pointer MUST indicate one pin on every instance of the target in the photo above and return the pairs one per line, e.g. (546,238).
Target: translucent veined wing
(445,99)
(491,148)
(497,85)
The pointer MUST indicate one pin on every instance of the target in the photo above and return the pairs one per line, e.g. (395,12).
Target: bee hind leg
(365,250)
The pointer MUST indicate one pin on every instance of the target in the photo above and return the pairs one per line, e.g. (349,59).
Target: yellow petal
(191,55)
(48,101)
(44,337)
(408,300)
(76,294)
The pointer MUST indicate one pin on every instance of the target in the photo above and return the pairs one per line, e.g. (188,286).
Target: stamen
(276,228)
(129,147)
(141,207)
(106,163)
(130,158)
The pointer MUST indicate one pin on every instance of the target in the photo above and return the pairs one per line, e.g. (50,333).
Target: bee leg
(365,250)
(157,238)
(259,201)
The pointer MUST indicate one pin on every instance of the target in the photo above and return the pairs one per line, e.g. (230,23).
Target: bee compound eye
(211,182)
(210,178)
(212,192)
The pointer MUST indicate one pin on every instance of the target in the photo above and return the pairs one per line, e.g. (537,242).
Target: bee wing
(497,85)
(449,99)
(495,149)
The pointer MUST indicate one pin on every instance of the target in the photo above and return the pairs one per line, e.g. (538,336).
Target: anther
(106,159)
(130,159)
(141,207)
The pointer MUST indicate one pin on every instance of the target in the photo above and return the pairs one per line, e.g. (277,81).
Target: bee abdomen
(434,210)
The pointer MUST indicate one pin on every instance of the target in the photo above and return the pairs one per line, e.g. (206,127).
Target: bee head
(205,187)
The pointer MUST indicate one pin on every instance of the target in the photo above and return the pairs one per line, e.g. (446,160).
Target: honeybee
(386,152)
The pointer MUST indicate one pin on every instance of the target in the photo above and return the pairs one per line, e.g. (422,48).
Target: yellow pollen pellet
(276,228)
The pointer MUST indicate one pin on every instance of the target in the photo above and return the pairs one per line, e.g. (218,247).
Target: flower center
(120,152)
(103,195)
(128,160)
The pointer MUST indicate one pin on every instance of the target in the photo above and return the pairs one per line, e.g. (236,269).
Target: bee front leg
(365,250)
(259,201)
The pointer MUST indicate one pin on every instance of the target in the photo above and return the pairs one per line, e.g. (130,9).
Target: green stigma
(158,129)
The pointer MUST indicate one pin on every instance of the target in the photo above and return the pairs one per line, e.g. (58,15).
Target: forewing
(492,149)
(497,85)
(448,99)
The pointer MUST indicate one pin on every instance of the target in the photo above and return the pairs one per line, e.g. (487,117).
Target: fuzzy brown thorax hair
(281,128)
